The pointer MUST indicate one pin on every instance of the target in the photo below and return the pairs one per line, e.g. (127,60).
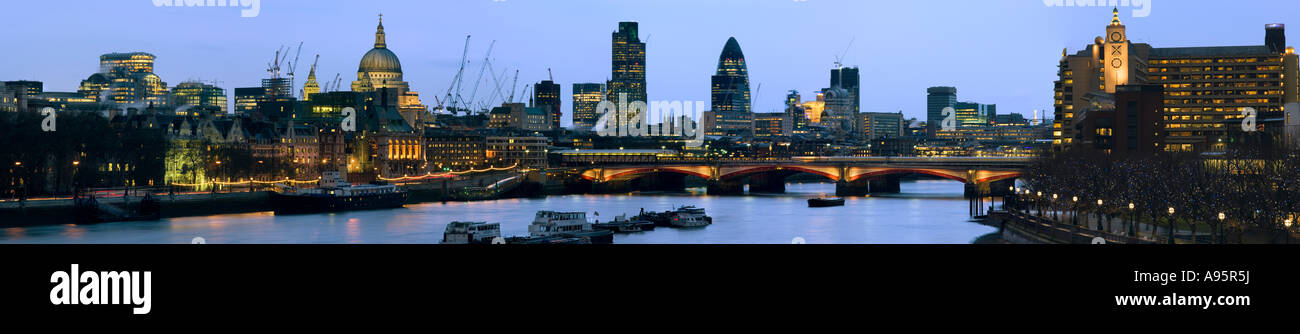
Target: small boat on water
(825,202)
(621,224)
(686,216)
(334,194)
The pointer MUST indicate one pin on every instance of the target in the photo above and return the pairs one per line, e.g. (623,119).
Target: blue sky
(1001,51)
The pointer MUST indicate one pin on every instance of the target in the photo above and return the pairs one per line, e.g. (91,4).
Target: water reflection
(926,212)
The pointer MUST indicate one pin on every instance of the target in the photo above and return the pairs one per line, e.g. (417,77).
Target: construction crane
(487,59)
(513,85)
(273,67)
(498,80)
(840,58)
(293,67)
(455,81)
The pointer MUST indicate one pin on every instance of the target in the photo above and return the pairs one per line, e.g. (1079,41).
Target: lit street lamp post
(1099,213)
(1219,237)
(1287,224)
(1171,225)
(1132,223)
(1039,202)
(1074,212)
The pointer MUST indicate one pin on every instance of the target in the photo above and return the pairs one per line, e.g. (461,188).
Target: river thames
(925,212)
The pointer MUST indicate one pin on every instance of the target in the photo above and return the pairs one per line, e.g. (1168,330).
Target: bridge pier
(767,183)
(890,184)
(726,187)
(860,187)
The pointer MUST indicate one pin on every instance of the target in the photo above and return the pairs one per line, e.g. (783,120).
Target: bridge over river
(854,176)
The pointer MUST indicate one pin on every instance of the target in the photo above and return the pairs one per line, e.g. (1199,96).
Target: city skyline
(679,56)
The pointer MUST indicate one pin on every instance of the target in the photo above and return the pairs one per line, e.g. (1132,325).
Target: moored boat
(334,195)
(621,224)
(471,233)
(689,216)
(825,202)
(551,224)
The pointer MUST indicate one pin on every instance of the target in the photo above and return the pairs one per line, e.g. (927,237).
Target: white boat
(471,233)
(689,216)
(571,224)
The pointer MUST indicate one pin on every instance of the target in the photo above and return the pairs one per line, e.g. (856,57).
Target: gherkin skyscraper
(731,114)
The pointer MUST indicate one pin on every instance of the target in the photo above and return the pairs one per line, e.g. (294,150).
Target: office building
(628,67)
(975,114)
(937,98)
(731,113)
(1206,89)
(126,79)
(877,125)
(546,96)
(773,125)
(1127,123)
(586,97)
(198,94)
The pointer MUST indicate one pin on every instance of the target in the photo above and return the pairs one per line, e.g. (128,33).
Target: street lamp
(1039,201)
(1074,216)
(1221,218)
(1171,225)
(1132,223)
(1099,227)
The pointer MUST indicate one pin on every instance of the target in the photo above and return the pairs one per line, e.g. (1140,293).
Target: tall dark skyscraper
(847,78)
(937,99)
(586,96)
(731,114)
(628,64)
(843,102)
(546,95)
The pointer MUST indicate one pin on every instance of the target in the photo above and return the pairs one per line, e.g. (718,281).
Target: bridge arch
(829,173)
(611,174)
(946,174)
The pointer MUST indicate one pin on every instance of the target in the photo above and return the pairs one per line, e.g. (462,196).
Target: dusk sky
(1002,52)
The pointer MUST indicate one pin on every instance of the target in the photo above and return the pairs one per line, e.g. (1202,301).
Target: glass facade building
(936,99)
(586,96)
(730,94)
